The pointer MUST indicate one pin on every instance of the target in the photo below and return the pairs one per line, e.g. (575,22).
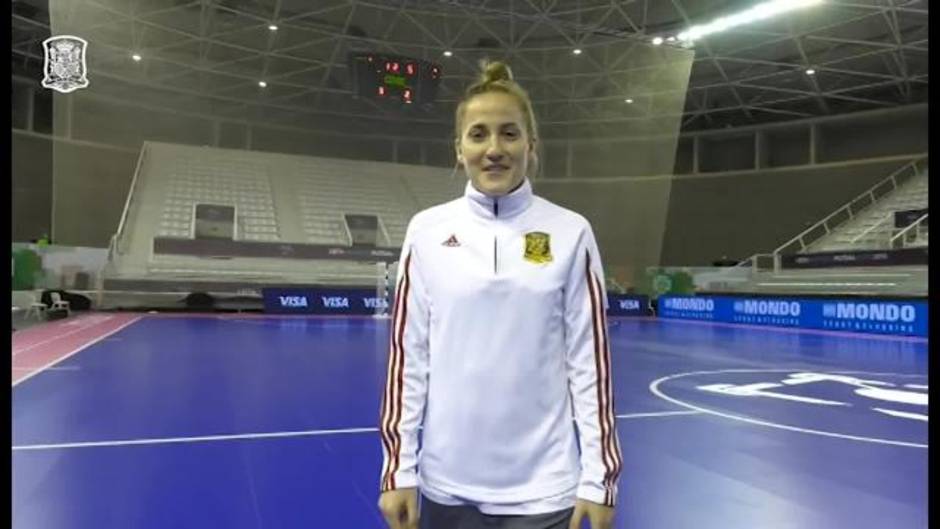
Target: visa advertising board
(322,301)
(625,305)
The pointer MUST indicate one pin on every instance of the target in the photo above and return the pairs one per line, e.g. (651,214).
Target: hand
(400,508)
(600,516)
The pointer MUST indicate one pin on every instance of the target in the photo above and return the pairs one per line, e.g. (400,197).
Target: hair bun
(495,71)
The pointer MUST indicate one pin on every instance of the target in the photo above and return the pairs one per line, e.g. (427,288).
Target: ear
(458,151)
(533,159)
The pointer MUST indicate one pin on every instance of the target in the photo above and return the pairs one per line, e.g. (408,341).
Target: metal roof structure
(866,54)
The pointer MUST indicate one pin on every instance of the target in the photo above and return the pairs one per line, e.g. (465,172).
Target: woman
(498,335)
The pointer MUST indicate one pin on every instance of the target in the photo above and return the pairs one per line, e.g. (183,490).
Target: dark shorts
(437,516)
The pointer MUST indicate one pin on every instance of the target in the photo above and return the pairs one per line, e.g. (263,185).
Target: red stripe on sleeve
(597,308)
(395,380)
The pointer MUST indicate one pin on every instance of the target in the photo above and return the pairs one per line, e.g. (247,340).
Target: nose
(494,153)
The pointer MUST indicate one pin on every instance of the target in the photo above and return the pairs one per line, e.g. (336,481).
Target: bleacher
(428,188)
(201,179)
(346,186)
(857,249)
(278,198)
(874,227)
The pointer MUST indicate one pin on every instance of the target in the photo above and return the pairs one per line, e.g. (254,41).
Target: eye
(477,134)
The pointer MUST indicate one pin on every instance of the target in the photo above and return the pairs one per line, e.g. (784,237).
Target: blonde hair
(497,77)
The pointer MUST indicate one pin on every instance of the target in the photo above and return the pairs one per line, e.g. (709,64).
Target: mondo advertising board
(878,316)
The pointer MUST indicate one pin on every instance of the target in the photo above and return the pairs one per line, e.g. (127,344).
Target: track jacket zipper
(495,246)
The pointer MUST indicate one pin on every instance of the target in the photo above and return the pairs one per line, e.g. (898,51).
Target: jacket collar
(499,207)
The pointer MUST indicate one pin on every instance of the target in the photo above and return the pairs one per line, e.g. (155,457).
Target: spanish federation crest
(65,63)
(537,247)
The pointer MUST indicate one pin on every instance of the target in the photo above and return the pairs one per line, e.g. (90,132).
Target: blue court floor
(228,422)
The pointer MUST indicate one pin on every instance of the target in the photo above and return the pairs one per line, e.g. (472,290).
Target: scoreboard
(394,78)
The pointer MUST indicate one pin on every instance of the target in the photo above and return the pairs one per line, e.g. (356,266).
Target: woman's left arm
(589,376)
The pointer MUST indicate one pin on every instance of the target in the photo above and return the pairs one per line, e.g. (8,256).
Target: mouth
(495,168)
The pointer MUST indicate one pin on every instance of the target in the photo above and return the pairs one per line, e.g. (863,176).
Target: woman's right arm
(407,376)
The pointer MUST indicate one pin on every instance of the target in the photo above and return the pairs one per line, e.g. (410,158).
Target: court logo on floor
(887,408)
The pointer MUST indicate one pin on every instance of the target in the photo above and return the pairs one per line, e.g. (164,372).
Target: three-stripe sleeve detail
(393,399)
(610,449)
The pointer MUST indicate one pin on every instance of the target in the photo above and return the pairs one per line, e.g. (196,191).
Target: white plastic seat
(36,309)
(58,303)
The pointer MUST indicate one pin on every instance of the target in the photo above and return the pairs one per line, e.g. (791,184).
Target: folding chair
(58,303)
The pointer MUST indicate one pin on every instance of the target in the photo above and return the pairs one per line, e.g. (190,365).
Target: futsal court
(214,206)
(254,421)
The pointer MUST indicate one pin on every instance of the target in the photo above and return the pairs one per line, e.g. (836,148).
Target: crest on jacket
(538,247)
(64,68)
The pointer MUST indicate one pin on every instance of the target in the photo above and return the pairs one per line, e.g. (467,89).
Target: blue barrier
(364,301)
(624,305)
(878,316)
(321,301)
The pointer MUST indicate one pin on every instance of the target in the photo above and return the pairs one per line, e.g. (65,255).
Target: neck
(499,195)
(501,206)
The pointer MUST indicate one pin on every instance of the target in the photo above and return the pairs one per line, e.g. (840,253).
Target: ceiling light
(628,101)
(272,27)
(136,57)
(759,12)
(577,51)
(671,39)
(262,84)
(810,71)
(657,41)
(448,53)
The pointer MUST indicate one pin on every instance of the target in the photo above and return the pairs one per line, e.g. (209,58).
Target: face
(494,147)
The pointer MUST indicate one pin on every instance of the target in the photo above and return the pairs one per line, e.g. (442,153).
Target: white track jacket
(498,334)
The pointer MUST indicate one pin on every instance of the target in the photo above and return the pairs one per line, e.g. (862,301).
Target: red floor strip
(40,347)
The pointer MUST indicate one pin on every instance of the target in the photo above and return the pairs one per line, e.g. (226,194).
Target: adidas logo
(451,241)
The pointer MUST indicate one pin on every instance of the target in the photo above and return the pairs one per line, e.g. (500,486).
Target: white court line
(60,336)
(80,348)
(657,414)
(204,438)
(654,388)
(263,435)
(903,414)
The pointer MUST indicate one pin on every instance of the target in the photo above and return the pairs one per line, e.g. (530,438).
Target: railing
(848,211)
(758,262)
(916,225)
(115,246)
